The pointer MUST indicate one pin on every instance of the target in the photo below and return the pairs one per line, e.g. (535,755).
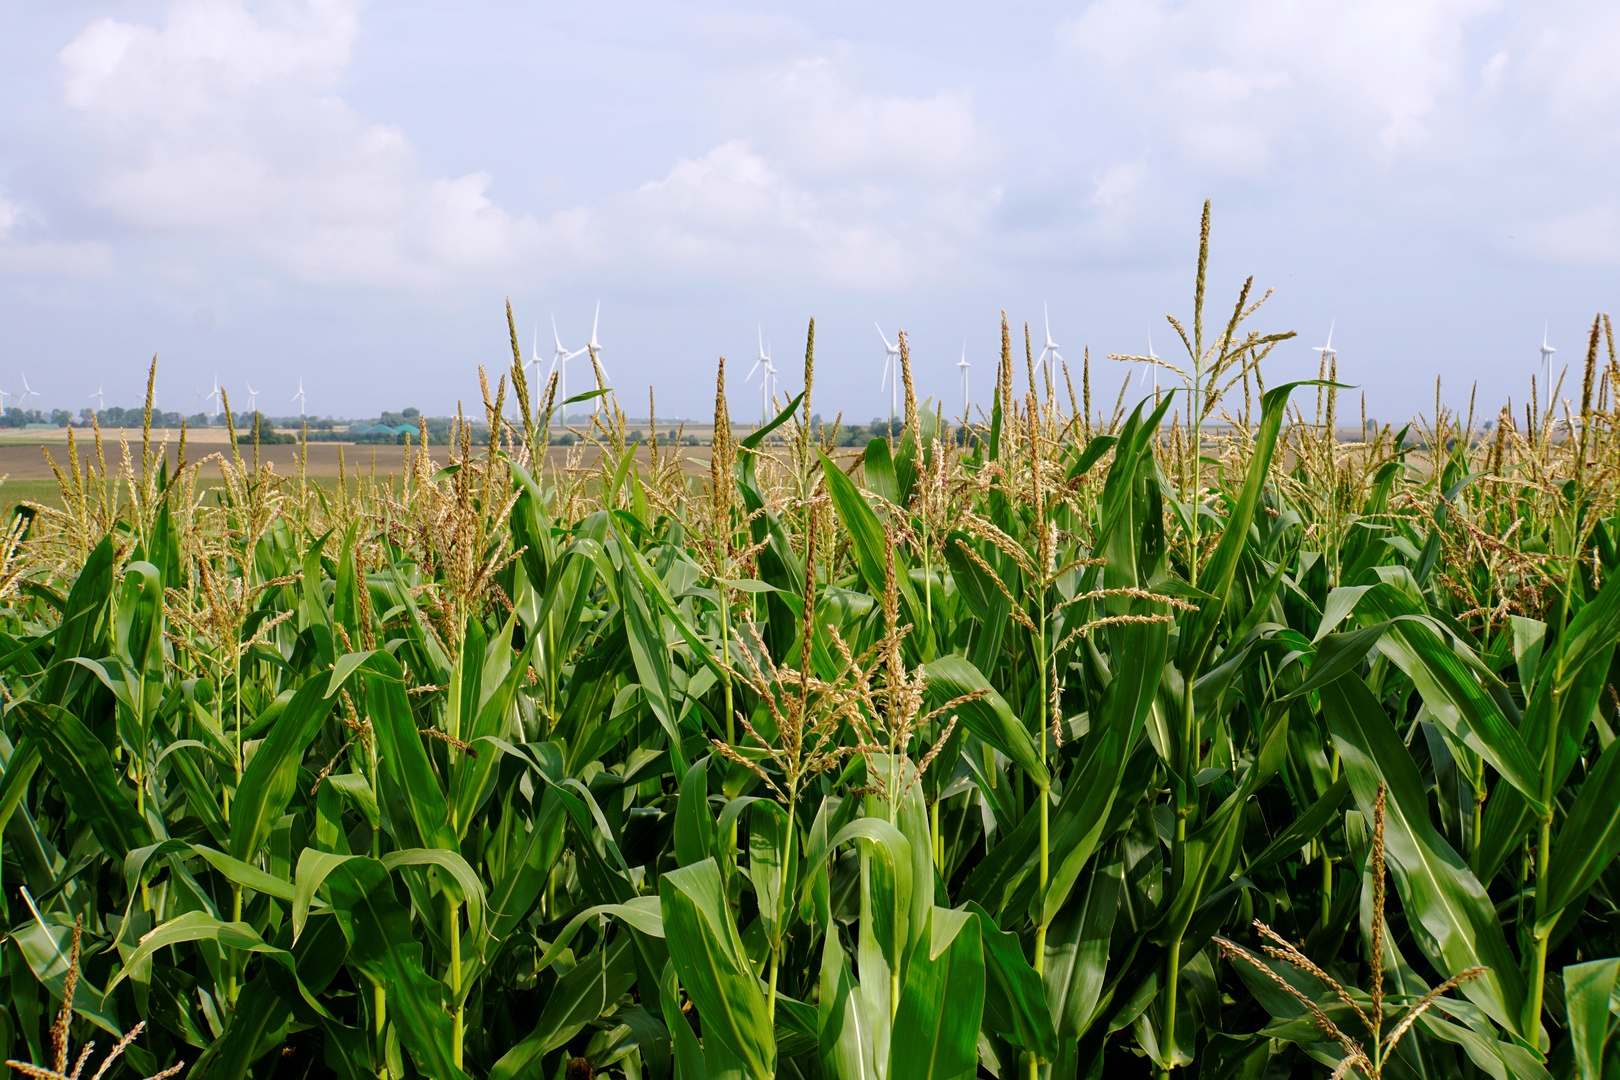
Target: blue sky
(347,192)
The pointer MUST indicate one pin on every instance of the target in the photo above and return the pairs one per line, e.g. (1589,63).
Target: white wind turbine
(299,397)
(559,364)
(213,397)
(963,368)
(1050,349)
(534,361)
(762,364)
(891,373)
(595,349)
(1327,351)
(99,398)
(1153,359)
(253,396)
(27,392)
(1546,361)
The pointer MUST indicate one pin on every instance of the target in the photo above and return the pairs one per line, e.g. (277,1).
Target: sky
(347,193)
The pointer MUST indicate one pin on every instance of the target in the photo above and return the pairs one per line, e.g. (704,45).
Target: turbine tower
(762,364)
(253,396)
(595,348)
(534,362)
(891,374)
(1327,351)
(1049,351)
(963,366)
(559,364)
(1153,362)
(299,397)
(1546,361)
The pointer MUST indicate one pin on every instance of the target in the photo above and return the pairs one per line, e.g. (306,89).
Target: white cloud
(824,180)
(829,128)
(10,215)
(1570,58)
(731,212)
(207,57)
(20,256)
(222,122)
(1266,73)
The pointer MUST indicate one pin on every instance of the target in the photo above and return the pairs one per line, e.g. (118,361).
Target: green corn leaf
(891,885)
(1451,688)
(78,762)
(245,874)
(694,824)
(1077,950)
(1588,988)
(1089,797)
(400,745)
(467,883)
(85,603)
(382,946)
(770,846)
(588,990)
(688,1054)
(195,926)
(272,775)
(936,1030)
(1303,829)
(25,759)
(1590,839)
(866,534)
(845,1040)
(474,777)
(988,717)
(1217,575)
(645,913)
(1015,1003)
(878,466)
(708,955)
(1437,890)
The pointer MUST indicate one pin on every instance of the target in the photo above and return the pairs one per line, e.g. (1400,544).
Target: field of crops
(1065,744)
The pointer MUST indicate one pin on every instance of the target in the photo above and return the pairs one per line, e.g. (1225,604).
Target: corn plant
(978,750)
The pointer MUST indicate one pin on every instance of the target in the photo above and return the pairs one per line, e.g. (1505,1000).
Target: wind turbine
(763,360)
(891,374)
(299,397)
(963,368)
(1051,347)
(213,397)
(99,398)
(1153,357)
(28,392)
(253,395)
(1546,361)
(1326,351)
(595,348)
(534,358)
(559,364)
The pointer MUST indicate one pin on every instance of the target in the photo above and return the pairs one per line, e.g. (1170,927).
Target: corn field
(1196,738)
